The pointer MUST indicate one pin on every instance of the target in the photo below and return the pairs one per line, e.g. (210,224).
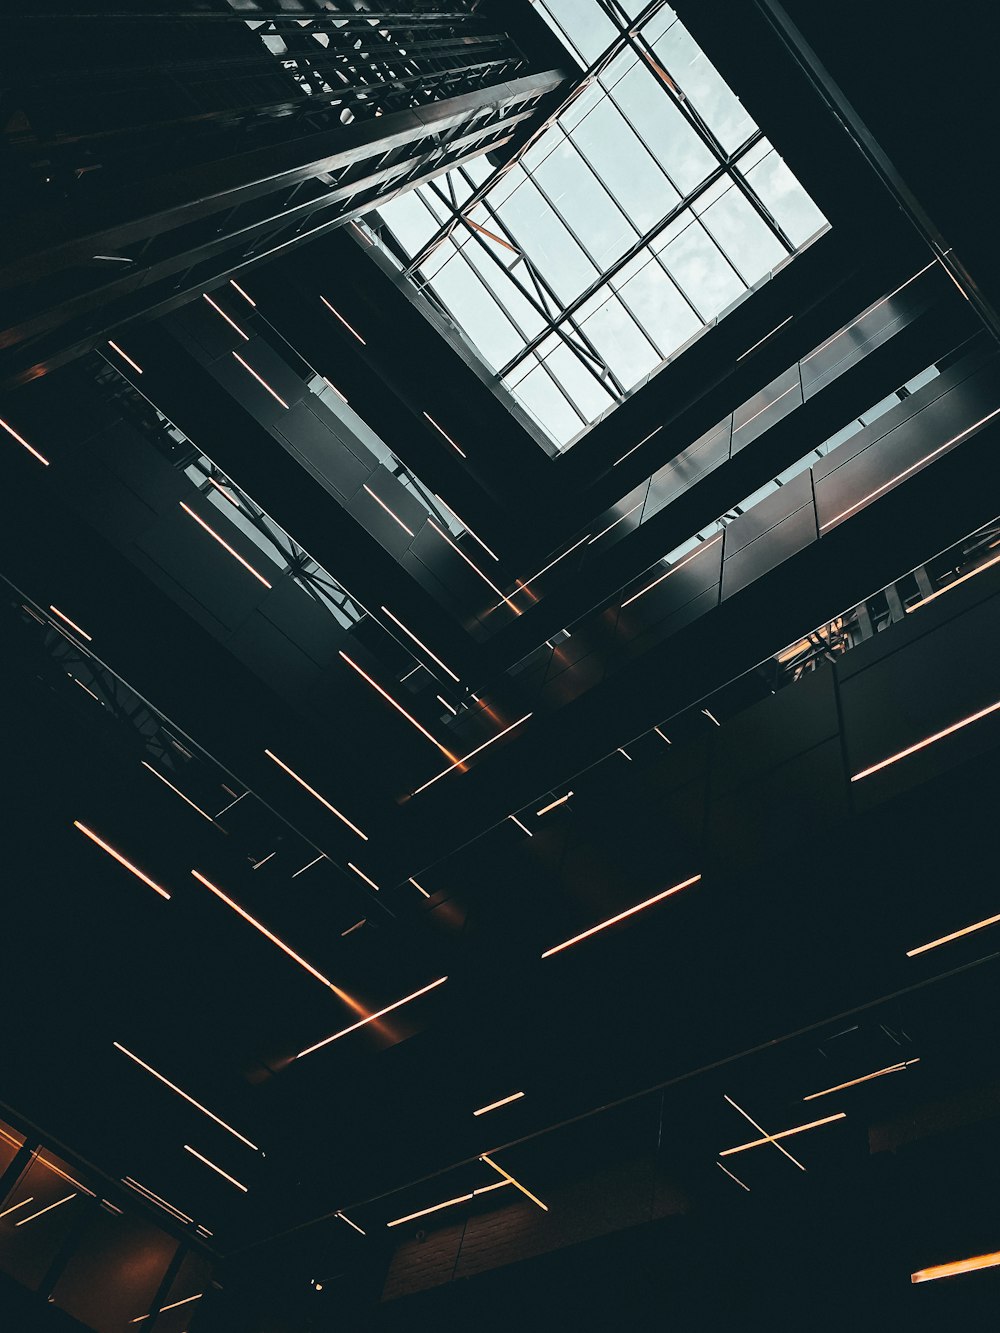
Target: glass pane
(660,308)
(785,198)
(556,255)
(576,192)
(586,26)
(629,172)
(667,135)
(701,269)
(616,336)
(410,221)
(547,404)
(477,312)
(712,97)
(583,387)
(516,304)
(744,235)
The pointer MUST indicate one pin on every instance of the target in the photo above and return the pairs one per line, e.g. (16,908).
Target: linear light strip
(371,1018)
(361,873)
(398,707)
(847,328)
(31,1216)
(637,446)
(322,799)
(552,804)
(467,528)
(235,554)
(672,570)
(420,887)
(516,1183)
(473,566)
(303,869)
(591,540)
(766,408)
(760,1128)
(260,380)
(858,504)
(346,1219)
(420,644)
(956,1266)
(150,1197)
(125,357)
(231,322)
(964,579)
(51,1166)
(760,342)
(72,623)
(225,1174)
(106,847)
(246,297)
(187,1097)
(631,911)
(178,792)
(928,740)
(87,688)
(955,935)
(22,441)
(783,1134)
(383,504)
(448,1203)
(514,1097)
(350,327)
(175,1305)
(865,1078)
(726,1168)
(330,385)
(522,827)
(662,737)
(442,431)
(472,753)
(14,1206)
(351,929)
(452,711)
(526,583)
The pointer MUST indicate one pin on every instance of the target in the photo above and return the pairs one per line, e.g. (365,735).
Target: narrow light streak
(858,504)
(964,579)
(31,1216)
(371,1018)
(112,1207)
(398,707)
(178,792)
(637,446)
(485,1157)
(711,717)
(204,1231)
(442,431)
(88,689)
(173,1306)
(260,380)
(9,1138)
(766,408)
(552,804)
(847,328)
(514,1097)
(865,1078)
(225,1174)
(782,1134)
(22,441)
(330,385)
(604,531)
(955,935)
(466,527)
(303,869)
(225,545)
(458,763)
(346,1219)
(524,584)
(125,357)
(928,740)
(361,873)
(187,1097)
(452,711)
(114,259)
(396,621)
(956,1266)
(34,615)
(350,327)
(51,1166)
(662,737)
(123,861)
(231,322)
(231,804)
(150,1197)
(313,792)
(246,297)
(225,491)
(732,1177)
(622,916)
(672,570)
(434,1208)
(522,827)
(384,506)
(473,566)
(625,753)
(15,1206)
(257,864)
(351,929)
(760,342)
(761,1129)
(418,667)
(420,887)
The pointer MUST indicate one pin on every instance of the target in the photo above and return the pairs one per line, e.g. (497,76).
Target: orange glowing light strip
(522,827)
(442,431)
(929,740)
(313,792)
(105,847)
(606,530)
(15,1143)
(181,1093)
(260,380)
(552,804)
(352,866)
(51,1166)
(246,297)
(163,1308)
(383,504)
(865,1078)
(524,584)
(15,1206)
(22,441)
(433,656)
(732,1177)
(672,570)
(358,1229)
(349,327)
(514,1096)
(448,1203)
(398,707)
(125,357)
(858,504)
(418,886)
(783,1134)
(235,554)
(231,322)
(769,1139)
(225,1174)
(371,1017)
(472,753)
(285,948)
(178,792)
(955,935)
(956,1266)
(516,1183)
(472,565)
(466,527)
(31,1216)
(631,911)
(964,579)
(150,1197)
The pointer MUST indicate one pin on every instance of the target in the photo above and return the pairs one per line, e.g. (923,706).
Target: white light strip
(246,297)
(31,1216)
(351,929)
(346,1219)
(631,911)
(766,408)
(637,446)
(522,827)
(330,385)
(352,866)
(955,935)
(350,327)
(865,1078)
(181,1093)
(514,1097)
(418,886)
(260,380)
(847,328)
(858,504)
(383,504)
(125,357)
(516,1183)
(65,1175)
(223,490)
(524,584)
(15,1206)
(552,804)
(178,792)
(433,656)
(964,579)
(761,1129)
(235,554)
(257,864)
(87,688)
(225,1174)
(466,527)
(442,431)
(176,1304)
(472,753)
(662,737)
(732,1177)
(106,847)
(452,711)
(763,340)
(22,441)
(711,717)
(956,1266)
(398,707)
(782,1134)
(625,753)
(150,1197)
(303,869)
(231,322)
(489,582)
(322,800)
(672,570)
(928,740)
(591,540)
(371,1018)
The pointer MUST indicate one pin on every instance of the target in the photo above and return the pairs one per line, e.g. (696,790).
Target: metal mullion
(583,355)
(545,315)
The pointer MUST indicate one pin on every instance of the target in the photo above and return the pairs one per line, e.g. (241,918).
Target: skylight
(648,209)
